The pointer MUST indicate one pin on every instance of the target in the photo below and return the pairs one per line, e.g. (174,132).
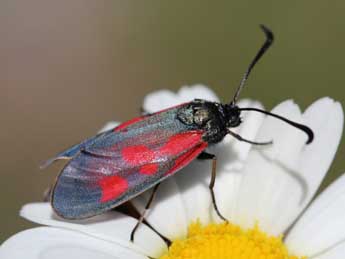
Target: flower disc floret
(227,241)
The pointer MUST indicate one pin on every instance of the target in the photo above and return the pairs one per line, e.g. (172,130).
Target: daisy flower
(264,192)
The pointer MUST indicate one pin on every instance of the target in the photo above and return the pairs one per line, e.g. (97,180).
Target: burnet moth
(112,167)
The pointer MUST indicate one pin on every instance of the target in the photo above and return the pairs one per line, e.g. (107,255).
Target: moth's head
(232,115)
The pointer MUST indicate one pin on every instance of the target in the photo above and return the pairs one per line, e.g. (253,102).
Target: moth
(112,167)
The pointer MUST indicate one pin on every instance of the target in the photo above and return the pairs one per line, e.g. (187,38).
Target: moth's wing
(75,149)
(123,164)
(72,151)
(92,183)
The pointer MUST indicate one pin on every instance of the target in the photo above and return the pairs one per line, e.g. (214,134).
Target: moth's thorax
(214,118)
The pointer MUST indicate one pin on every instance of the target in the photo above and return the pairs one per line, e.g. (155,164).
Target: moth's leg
(207,156)
(238,137)
(166,240)
(129,209)
(142,216)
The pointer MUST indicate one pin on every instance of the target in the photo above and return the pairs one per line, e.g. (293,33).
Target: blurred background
(68,67)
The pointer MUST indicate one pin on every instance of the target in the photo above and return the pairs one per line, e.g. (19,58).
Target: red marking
(128,123)
(187,157)
(112,187)
(138,155)
(149,169)
(144,158)
(180,142)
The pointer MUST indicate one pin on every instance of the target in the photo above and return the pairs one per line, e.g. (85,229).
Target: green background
(67,67)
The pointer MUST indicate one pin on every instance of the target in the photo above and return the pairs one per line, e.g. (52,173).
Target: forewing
(121,165)
(75,149)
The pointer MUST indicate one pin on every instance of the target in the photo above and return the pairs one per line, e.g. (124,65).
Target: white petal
(264,179)
(322,226)
(108,126)
(165,98)
(111,226)
(188,93)
(167,213)
(159,100)
(336,252)
(54,243)
(326,118)
(193,182)
(279,181)
(232,155)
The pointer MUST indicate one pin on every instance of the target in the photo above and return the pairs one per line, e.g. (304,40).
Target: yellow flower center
(227,241)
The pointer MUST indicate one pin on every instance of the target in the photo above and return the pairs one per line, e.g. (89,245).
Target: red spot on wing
(187,157)
(145,158)
(112,187)
(149,169)
(141,156)
(180,142)
(128,123)
(138,155)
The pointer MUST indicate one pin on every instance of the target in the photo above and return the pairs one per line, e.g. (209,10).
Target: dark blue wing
(72,151)
(122,164)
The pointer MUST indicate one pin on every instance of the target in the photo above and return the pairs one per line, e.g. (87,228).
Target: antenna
(262,50)
(299,126)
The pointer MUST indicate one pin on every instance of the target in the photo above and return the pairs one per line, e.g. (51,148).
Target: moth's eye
(201,116)
(234,121)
